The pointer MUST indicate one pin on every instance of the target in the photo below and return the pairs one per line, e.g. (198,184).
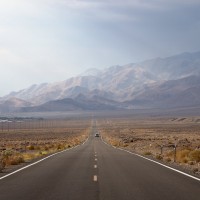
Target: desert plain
(174,141)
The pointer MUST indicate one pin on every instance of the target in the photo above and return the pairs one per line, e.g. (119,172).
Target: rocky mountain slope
(80,103)
(183,92)
(13,104)
(156,83)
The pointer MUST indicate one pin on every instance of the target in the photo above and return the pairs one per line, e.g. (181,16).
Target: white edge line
(193,177)
(42,160)
(95,178)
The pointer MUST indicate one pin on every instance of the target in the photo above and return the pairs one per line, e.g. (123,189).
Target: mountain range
(157,83)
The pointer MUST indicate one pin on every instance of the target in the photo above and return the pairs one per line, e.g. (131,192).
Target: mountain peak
(91,72)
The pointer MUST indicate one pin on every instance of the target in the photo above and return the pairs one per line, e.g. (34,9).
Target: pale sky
(52,40)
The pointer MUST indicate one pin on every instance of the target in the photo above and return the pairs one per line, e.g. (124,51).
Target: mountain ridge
(151,83)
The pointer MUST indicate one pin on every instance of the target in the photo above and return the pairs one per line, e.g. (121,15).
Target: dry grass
(18,146)
(147,153)
(11,158)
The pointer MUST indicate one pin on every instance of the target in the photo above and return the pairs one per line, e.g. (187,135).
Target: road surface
(96,171)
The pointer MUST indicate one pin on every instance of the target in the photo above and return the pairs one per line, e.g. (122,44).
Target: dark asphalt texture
(120,176)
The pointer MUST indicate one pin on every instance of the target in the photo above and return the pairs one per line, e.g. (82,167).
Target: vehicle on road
(96,134)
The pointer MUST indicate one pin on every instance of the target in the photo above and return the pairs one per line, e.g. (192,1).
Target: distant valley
(170,82)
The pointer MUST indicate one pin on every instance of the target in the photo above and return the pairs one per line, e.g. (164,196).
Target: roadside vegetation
(23,144)
(174,141)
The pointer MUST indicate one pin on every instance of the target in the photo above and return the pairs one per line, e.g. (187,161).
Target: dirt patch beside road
(24,144)
(175,141)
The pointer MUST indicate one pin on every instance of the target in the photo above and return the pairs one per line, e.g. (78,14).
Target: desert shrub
(3,157)
(51,146)
(159,157)
(168,160)
(44,153)
(31,147)
(170,154)
(2,164)
(46,148)
(59,147)
(125,145)
(29,156)
(37,148)
(182,155)
(10,158)
(195,155)
(14,160)
(7,153)
(114,142)
(147,153)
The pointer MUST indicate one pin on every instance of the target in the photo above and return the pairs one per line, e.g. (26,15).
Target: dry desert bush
(21,145)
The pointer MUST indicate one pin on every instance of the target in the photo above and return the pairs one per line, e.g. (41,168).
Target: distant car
(96,134)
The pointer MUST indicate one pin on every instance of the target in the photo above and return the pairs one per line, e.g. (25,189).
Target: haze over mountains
(157,83)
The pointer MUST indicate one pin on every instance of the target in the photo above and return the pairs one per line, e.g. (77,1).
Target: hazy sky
(51,40)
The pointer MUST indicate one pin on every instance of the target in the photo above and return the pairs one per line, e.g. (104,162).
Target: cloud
(145,4)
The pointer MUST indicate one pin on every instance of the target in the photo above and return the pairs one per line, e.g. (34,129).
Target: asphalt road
(96,171)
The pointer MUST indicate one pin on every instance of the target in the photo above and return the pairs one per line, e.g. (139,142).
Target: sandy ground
(174,141)
(21,145)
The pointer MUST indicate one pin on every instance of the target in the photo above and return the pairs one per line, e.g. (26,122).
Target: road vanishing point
(96,171)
